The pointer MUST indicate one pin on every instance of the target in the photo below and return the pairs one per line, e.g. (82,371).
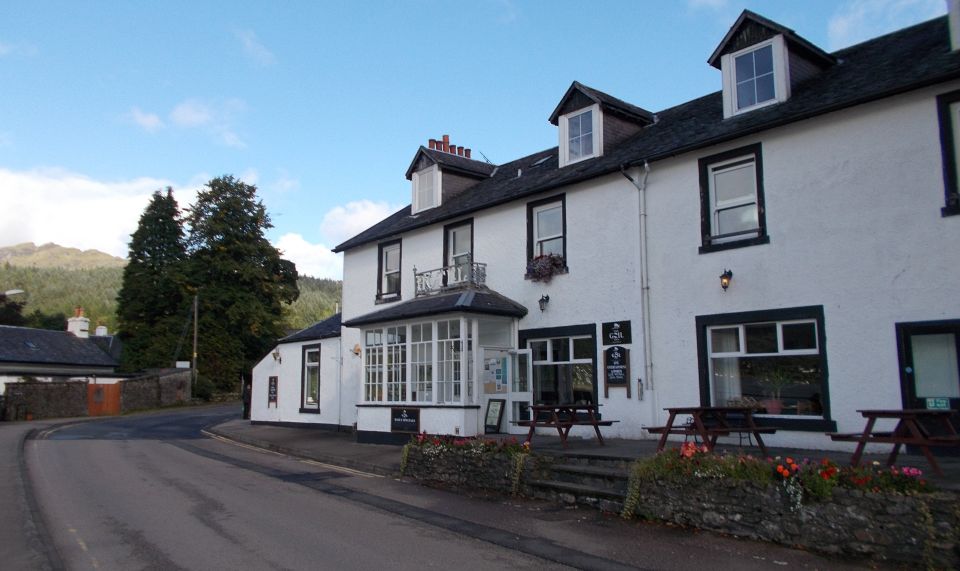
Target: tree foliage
(241,280)
(52,293)
(11,311)
(151,304)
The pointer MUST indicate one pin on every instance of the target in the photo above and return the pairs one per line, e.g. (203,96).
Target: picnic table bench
(563,417)
(915,427)
(710,423)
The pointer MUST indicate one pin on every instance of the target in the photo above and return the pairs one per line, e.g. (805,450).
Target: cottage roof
(45,347)
(865,72)
(452,163)
(483,301)
(748,20)
(607,102)
(329,327)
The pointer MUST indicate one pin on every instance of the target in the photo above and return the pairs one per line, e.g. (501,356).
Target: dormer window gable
(591,123)
(762,62)
(442,171)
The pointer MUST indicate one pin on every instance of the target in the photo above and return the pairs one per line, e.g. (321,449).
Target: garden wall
(921,529)
(38,399)
(156,390)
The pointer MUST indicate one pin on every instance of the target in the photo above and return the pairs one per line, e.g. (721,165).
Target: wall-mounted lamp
(544,300)
(725,278)
(276,355)
(356,349)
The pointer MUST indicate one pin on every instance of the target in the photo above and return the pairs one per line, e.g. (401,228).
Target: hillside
(53,286)
(29,254)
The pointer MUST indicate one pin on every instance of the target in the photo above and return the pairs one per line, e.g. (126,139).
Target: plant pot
(773,406)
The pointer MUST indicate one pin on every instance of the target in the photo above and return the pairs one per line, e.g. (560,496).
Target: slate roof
(452,162)
(795,40)
(483,301)
(909,59)
(45,347)
(607,102)
(329,327)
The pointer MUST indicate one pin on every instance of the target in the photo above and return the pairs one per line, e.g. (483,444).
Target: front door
(521,389)
(930,364)
(505,374)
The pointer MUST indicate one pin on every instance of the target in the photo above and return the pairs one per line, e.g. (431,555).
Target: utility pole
(195,311)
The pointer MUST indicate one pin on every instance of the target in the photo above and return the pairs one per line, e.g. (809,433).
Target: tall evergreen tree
(152,307)
(240,277)
(11,311)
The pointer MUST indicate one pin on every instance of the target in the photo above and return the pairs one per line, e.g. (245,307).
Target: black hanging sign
(616,333)
(405,420)
(272,391)
(616,365)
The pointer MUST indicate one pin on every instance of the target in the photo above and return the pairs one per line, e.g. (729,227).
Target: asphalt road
(152,492)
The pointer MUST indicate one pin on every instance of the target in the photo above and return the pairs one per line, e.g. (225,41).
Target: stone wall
(920,530)
(37,400)
(155,390)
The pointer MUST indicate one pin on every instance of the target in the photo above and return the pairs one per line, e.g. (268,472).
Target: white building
(822,185)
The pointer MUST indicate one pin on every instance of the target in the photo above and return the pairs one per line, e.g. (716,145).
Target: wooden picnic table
(711,422)
(918,427)
(563,417)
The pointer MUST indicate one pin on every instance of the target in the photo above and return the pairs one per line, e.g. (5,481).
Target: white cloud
(191,113)
(343,222)
(250,176)
(254,49)
(149,122)
(284,182)
(73,210)
(859,20)
(315,260)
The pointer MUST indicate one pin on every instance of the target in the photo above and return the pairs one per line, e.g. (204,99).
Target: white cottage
(788,241)
(301,381)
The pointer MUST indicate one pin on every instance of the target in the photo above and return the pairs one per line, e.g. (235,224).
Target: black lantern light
(725,278)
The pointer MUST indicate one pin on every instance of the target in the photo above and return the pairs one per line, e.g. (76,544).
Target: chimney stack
(446,143)
(445,146)
(78,325)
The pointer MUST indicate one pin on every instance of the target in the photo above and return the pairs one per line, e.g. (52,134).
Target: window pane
(313,357)
(312,392)
(744,65)
(554,246)
(735,184)
(539,350)
(935,365)
(763,60)
(799,336)
(586,123)
(442,327)
(392,283)
(746,94)
(583,348)
(586,145)
(582,383)
(726,340)
(761,338)
(737,219)
(561,349)
(391,259)
(550,222)
(794,384)
(765,88)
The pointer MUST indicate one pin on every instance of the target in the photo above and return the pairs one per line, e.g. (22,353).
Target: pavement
(341,449)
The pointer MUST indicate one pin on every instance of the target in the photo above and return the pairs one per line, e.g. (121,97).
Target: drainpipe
(645,330)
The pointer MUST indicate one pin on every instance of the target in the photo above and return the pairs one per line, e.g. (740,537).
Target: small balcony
(458,276)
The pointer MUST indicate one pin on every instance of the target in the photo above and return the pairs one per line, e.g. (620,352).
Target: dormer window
(581,135)
(755,77)
(426,189)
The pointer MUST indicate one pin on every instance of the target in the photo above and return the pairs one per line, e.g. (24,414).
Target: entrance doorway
(506,374)
(930,364)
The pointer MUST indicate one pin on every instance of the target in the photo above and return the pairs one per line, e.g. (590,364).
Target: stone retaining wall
(33,400)
(919,530)
(155,390)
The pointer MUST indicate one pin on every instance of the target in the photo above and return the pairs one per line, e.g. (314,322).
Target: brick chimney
(78,325)
(443,144)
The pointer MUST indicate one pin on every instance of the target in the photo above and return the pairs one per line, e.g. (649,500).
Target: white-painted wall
(853,204)
(337,395)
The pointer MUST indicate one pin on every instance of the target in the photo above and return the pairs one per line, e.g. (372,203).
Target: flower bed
(883,513)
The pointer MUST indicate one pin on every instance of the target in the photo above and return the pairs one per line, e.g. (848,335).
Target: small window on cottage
(426,189)
(731,194)
(581,135)
(389,283)
(754,71)
(310,401)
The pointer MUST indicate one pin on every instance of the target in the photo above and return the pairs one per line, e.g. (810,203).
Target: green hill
(56,279)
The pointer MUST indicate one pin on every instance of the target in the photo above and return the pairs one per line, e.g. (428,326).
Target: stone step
(572,493)
(593,471)
(600,477)
(589,459)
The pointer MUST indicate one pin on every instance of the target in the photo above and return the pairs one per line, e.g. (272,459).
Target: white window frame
(717,206)
(537,238)
(597,126)
(781,76)
(430,173)
(385,292)
(307,367)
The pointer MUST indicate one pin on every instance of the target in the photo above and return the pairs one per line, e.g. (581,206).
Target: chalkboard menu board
(405,420)
(272,391)
(616,365)
(616,333)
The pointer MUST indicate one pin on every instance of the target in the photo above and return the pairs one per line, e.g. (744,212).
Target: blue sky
(322,105)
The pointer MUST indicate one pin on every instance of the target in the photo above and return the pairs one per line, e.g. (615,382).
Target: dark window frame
(531,239)
(446,242)
(383,297)
(948,142)
(814,312)
(303,378)
(706,206)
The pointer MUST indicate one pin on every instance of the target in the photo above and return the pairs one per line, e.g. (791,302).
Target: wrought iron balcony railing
(457,276)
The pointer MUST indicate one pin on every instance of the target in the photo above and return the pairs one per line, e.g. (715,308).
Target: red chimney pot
(466,153)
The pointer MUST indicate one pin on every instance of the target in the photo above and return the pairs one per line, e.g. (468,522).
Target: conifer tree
(152,307)
(241,280)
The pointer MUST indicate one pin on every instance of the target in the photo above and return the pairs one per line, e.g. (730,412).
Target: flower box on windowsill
(543,268)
